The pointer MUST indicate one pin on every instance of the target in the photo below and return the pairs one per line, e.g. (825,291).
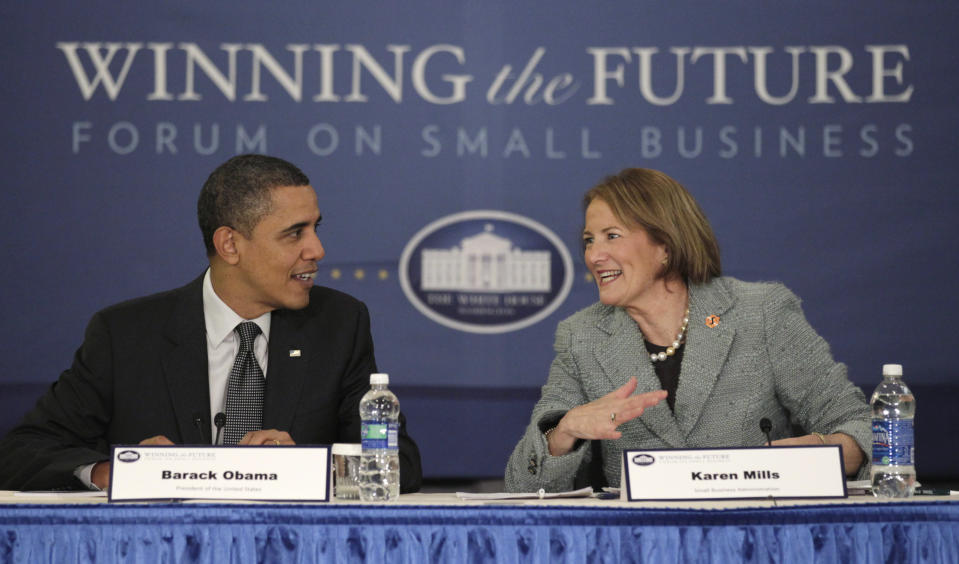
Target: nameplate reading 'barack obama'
(273,473)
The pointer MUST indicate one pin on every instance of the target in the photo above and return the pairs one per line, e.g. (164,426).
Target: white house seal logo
(128,456)
(643,459)
(486,271)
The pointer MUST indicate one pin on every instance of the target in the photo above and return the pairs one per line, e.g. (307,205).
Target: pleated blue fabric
(215,533)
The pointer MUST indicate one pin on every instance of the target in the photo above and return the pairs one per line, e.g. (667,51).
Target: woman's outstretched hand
(600,418)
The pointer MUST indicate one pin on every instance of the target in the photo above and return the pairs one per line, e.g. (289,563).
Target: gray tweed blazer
(762,359)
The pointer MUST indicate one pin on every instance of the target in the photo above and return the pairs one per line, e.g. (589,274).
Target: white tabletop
(450,499)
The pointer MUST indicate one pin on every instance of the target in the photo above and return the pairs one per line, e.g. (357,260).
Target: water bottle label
(380,435)
(892,442)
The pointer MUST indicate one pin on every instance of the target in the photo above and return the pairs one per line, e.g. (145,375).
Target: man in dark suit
(156,369)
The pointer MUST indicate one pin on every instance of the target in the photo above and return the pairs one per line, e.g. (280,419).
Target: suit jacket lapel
(287,369)
(623,355)
(185,366)
(705,352)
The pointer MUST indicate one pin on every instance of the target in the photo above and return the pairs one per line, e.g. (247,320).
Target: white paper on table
(68,494)
(858,487)
(541,494)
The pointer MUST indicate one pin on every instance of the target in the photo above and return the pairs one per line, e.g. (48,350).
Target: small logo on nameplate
(643,459)
(128,456)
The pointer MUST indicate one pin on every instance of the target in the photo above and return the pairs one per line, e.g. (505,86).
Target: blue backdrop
(818,137)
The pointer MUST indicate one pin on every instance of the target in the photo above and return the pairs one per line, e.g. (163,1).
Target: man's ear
(224,240)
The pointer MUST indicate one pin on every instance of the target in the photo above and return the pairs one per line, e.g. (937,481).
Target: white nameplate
(733,473)
(266,473)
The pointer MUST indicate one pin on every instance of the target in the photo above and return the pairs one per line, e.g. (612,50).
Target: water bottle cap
(892,370)
(377,379)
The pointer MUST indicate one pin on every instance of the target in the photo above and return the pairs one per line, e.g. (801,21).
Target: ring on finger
(276,442)
(612,417)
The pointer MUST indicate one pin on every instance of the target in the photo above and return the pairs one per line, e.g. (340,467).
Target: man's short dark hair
(237,194)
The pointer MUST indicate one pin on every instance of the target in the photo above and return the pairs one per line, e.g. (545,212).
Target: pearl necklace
(680,339)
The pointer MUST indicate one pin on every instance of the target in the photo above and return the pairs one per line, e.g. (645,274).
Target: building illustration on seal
(485,262)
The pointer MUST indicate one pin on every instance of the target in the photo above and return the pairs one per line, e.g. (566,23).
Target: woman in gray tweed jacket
(675,356)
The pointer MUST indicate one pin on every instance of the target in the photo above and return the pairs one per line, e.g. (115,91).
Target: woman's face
(624,262)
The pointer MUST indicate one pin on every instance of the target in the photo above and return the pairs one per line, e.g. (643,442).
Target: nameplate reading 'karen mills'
(733,473)
(264,473)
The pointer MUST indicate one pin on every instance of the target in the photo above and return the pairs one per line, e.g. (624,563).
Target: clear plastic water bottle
(893,444)
(380,462)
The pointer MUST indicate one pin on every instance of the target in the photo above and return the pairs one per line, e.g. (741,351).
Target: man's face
(277,264)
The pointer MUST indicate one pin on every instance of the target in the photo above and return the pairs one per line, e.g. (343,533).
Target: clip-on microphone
(220,421)
(765,425)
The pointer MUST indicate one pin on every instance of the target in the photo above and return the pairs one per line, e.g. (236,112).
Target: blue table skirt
(893,532)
